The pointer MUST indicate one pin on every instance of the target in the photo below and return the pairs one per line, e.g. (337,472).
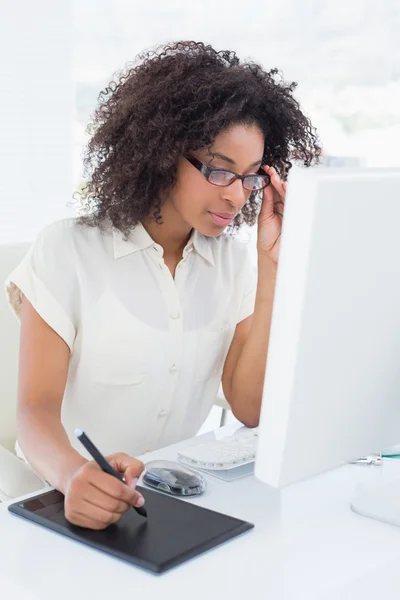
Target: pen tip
(78,432)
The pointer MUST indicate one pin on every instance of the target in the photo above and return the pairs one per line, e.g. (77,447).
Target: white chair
(16,477)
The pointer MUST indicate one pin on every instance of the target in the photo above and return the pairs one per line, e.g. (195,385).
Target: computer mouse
(173,478)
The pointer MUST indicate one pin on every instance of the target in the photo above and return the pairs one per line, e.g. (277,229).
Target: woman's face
(209,208)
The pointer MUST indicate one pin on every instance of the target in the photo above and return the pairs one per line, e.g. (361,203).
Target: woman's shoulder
(70,227)
(70,232)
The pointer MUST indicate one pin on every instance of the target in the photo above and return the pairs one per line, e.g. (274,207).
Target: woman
(132,314)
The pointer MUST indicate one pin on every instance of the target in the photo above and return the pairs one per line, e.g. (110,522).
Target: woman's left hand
(271,215)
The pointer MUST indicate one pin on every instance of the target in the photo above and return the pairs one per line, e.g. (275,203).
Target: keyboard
(226,453)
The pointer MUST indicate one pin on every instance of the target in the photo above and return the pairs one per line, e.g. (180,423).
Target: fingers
(278,185)
(94,517)
(95,499)
(102,500)
(86,506)
(115,488)
(129,467)
(267,206)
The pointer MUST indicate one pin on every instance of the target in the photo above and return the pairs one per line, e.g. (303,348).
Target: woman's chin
(209,227)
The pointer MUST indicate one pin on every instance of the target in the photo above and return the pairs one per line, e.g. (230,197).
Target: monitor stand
(381,503)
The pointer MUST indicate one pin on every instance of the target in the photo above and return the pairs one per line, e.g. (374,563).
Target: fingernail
(140,501)
(134,482)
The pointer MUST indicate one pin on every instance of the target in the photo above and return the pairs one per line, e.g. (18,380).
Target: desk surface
(306,544)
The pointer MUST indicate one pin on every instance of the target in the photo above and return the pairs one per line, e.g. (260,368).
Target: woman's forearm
(248,379)
(46,446)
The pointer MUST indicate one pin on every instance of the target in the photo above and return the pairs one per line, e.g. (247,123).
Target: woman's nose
(235,194)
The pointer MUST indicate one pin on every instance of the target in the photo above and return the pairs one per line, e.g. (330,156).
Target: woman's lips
(222,219)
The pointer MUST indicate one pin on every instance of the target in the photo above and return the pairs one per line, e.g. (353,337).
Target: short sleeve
(47,277)
(249,287)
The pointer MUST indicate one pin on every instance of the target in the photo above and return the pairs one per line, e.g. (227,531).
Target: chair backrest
(10,256)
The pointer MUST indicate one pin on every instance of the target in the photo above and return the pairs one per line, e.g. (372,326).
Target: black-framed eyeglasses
(221,177)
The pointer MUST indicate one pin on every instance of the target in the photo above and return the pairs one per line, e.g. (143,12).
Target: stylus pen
(103,463)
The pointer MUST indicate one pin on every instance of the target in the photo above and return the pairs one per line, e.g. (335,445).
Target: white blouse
(147,349)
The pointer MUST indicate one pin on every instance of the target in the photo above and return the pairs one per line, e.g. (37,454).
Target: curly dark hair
(172,101)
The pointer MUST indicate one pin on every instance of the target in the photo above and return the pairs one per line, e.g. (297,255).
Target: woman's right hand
(95,500)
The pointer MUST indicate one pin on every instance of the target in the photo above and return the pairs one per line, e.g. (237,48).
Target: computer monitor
(332,384)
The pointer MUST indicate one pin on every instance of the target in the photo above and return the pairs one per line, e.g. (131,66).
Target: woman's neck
(172,235)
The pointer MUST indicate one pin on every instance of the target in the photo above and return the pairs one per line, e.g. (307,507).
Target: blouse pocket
(118,362)
(118,346)
(212,348)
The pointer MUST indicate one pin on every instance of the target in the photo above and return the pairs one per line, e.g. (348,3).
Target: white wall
(36,115)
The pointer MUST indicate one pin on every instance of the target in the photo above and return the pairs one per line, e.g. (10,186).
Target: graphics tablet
(174,531)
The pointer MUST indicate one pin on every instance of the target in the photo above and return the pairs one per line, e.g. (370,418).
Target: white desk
(306,544)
